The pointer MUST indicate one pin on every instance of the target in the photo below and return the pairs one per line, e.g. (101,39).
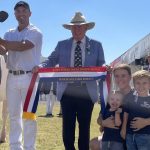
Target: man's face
(122,78)
(142,86)
(78,31)
(22,15)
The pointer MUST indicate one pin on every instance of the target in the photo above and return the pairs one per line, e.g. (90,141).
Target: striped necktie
(78,55)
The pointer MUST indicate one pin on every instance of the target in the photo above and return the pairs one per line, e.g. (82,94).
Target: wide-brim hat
(79,19)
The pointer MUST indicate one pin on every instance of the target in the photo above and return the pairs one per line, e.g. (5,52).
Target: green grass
(49,136)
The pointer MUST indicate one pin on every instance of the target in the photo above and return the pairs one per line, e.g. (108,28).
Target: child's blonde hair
(140,74)
(115,92)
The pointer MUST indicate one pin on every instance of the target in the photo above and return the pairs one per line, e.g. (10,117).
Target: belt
(77,84)
(19,72)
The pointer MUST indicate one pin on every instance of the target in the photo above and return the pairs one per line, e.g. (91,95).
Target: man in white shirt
(23,45)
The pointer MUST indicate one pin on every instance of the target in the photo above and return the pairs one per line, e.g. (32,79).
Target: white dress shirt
(24,60)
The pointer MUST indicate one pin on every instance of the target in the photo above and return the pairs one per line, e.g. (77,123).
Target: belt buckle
(17,72)
(77,84)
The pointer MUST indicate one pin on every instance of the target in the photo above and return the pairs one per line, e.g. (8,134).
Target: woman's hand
(109,123)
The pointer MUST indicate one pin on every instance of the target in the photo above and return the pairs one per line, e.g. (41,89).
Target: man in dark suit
(77,99)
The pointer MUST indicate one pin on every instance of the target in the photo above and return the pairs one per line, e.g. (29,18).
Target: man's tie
(78,55)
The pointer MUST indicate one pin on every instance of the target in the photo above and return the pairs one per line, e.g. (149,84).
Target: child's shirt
(109,133)
(137,106)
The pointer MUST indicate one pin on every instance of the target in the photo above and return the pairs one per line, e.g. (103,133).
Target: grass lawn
(49,136)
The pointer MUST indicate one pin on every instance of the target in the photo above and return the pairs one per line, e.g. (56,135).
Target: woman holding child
(137,110)
(122,76)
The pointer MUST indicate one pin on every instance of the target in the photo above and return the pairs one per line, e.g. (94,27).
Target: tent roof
(138,50)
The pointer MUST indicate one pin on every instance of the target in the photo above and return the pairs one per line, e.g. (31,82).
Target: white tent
(137,51)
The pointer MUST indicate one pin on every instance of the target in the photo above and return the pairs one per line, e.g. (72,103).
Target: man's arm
(139,123)
(53,58)
(101,57)
(3,50)
(16,45)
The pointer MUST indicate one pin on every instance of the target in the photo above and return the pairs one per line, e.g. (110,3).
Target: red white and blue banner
(62,74)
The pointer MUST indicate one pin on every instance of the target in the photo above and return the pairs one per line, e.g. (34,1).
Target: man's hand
(138,123)
(109,69)
(35,69)
(3,50)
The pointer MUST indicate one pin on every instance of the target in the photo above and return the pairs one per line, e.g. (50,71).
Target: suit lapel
(87,46)
(68,52)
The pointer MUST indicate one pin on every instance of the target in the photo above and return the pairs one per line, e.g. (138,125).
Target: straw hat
(79,19)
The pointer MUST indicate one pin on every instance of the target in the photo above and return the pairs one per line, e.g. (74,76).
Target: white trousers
(16,90)
(50,99)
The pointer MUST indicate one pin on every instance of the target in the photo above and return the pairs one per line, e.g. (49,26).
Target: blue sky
(119,23)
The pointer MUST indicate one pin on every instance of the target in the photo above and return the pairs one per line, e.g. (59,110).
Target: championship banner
(62,74)
(104,90)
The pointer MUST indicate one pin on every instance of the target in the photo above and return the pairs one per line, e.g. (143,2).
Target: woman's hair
(123,66)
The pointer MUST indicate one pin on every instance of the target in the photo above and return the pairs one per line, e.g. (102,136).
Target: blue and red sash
(62,74)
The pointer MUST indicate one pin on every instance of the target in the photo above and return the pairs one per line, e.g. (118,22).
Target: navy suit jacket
(62,55)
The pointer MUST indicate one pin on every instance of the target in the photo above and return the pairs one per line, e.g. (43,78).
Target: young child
(137,108)
(111,139)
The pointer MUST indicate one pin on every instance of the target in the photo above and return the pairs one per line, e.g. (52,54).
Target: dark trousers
(76,104)
(124,145)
